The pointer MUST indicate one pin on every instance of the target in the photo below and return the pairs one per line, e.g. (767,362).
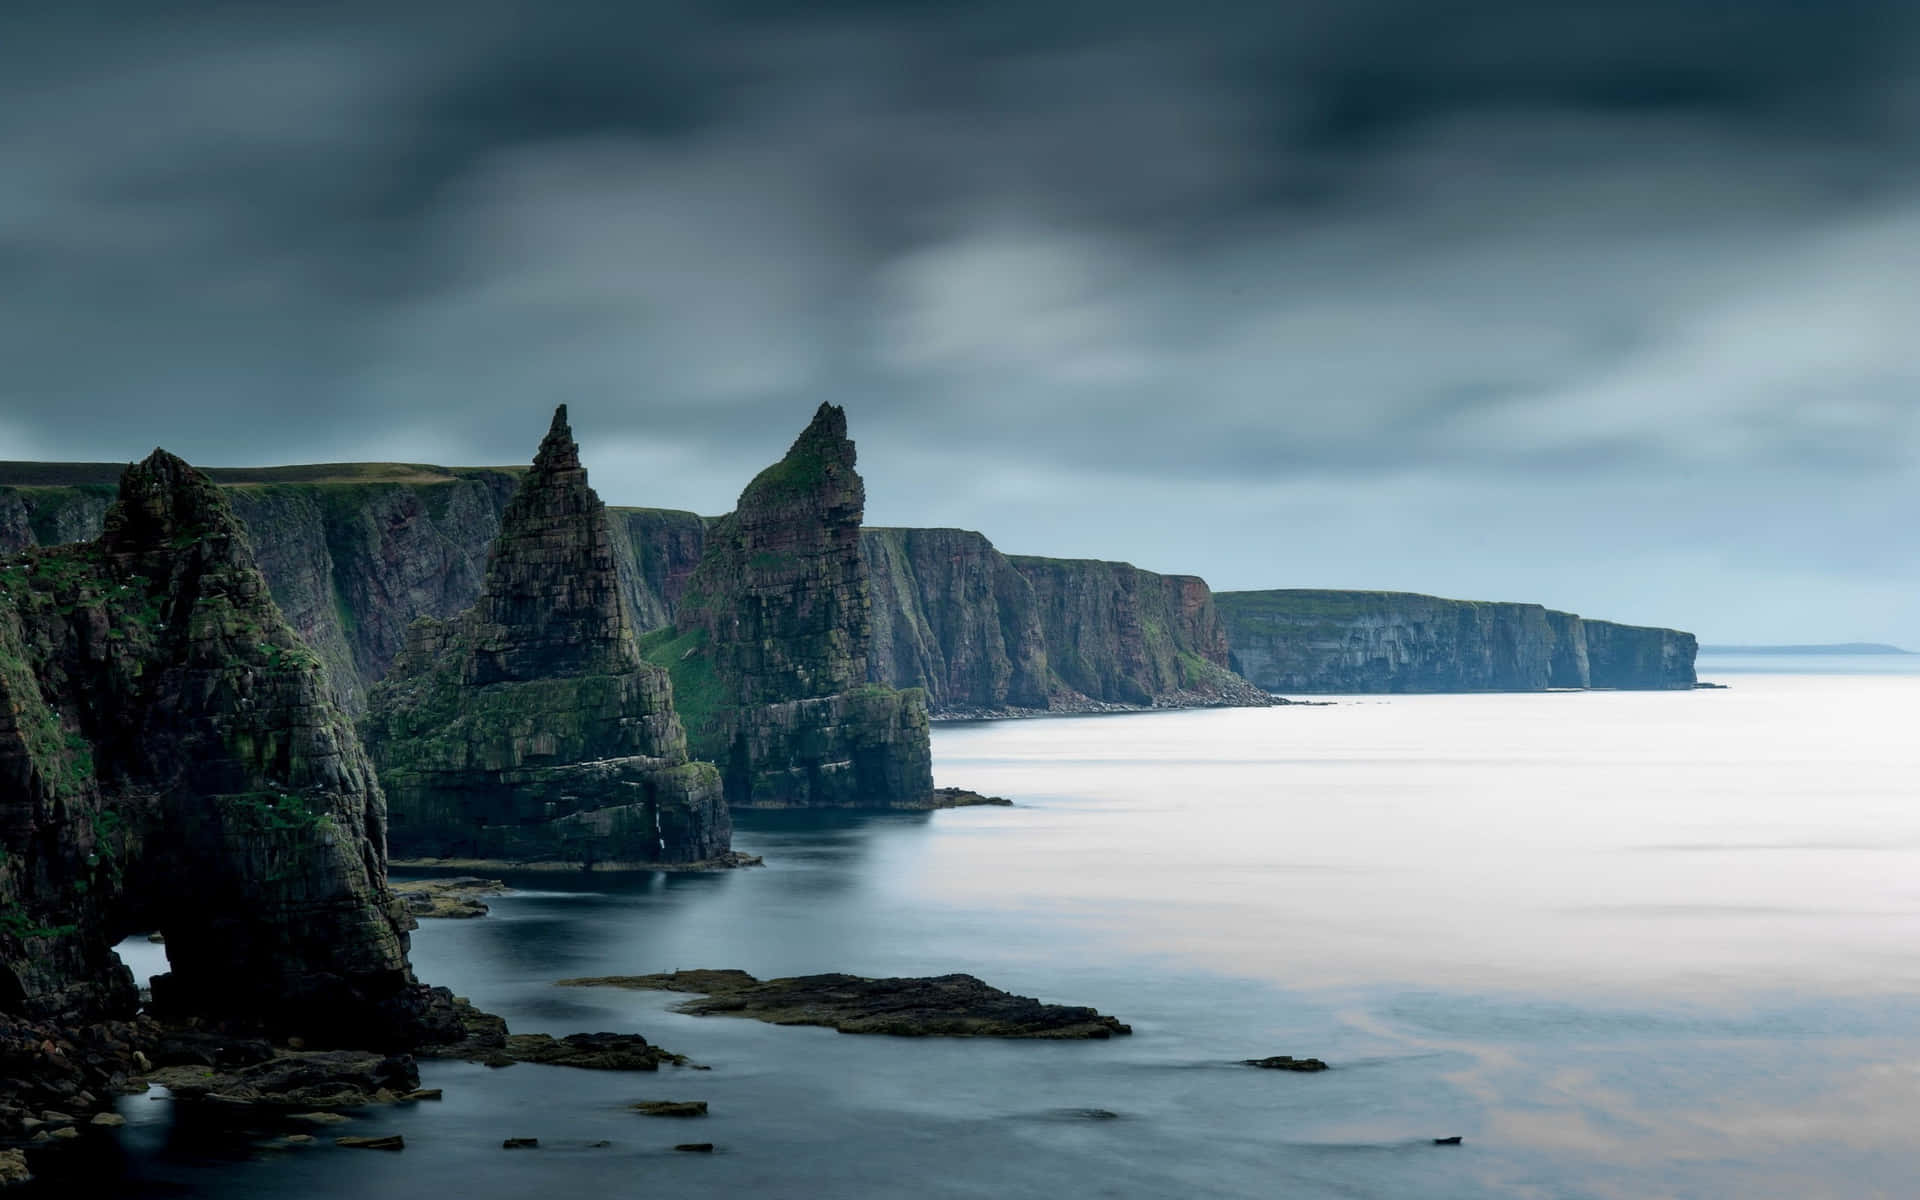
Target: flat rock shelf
(938,1006)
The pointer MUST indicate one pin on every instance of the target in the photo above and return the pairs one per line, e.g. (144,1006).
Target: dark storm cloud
(1360,271)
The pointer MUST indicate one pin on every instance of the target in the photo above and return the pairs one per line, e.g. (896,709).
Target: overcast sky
(1611,306)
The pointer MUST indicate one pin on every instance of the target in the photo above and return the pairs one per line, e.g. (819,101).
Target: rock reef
(528,728)
(940,1006)
(1305,640)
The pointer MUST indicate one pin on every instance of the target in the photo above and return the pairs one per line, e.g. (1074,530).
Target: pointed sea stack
(170,759)
(528,728)
(769,646)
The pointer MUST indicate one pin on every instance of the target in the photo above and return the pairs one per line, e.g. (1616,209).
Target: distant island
(1833,648)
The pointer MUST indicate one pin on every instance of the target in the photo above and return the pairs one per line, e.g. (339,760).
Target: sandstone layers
(528,727)
(1333,641)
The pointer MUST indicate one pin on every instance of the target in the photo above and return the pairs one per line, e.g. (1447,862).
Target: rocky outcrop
(770,642)
(939,1006)
(1301,640)
(529,727)
(170,759)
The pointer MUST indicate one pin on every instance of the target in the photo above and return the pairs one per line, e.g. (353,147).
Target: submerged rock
(1286,1062)
(949,797)
(300,1079)
(389,1142)
(528,728)
(593,1051)
(670,1108)
(940,1006)
(431,899)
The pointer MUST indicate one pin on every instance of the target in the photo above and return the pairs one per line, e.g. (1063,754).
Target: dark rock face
(657,550)
(1119,634)
(352,552)
(953,616)
(1639,657)
(529,728)
(170,758)
(940,1006)
(1326,641)
(770,643)
(985,633)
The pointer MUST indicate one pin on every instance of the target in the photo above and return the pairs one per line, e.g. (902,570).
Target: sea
(1621,944)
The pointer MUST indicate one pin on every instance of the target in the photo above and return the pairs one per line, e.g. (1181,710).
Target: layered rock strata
(1302,640)
(1119,634)
(529,727)
(770,641)
(170,759)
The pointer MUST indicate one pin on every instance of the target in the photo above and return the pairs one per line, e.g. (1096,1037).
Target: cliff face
(1639,657)
(528,727)
(1118,634)
(658,548)
(770,644)
(1333,641)
(953,616)
(169,758)
(353,552)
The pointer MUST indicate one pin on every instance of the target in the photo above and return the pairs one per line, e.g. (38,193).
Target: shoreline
(732,861)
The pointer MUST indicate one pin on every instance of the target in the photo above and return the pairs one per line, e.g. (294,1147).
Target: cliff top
(107,475)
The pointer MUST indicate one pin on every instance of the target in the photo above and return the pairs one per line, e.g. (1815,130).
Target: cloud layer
(1606,306)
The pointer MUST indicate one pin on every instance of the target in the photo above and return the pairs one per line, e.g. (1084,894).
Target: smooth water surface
(1626,944)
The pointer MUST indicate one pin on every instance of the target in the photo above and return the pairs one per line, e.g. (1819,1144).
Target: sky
(1606,306)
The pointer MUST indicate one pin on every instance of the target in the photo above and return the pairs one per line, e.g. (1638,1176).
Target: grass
(698,694)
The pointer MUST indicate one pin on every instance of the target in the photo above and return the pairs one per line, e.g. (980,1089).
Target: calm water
(1627,945)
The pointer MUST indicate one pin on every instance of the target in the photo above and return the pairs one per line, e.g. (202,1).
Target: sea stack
(170,759)
(769,647)
(528,728)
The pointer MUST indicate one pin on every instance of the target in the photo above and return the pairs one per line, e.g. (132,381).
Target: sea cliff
(170,759)
(1315,641)
(528,727)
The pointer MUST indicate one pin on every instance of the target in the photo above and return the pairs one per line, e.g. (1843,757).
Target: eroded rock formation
(170,758)
(1303,640)
(529,728)
(769,646)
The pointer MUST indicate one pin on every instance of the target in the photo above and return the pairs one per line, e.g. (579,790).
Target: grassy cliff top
(1332,602)
(43,474)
